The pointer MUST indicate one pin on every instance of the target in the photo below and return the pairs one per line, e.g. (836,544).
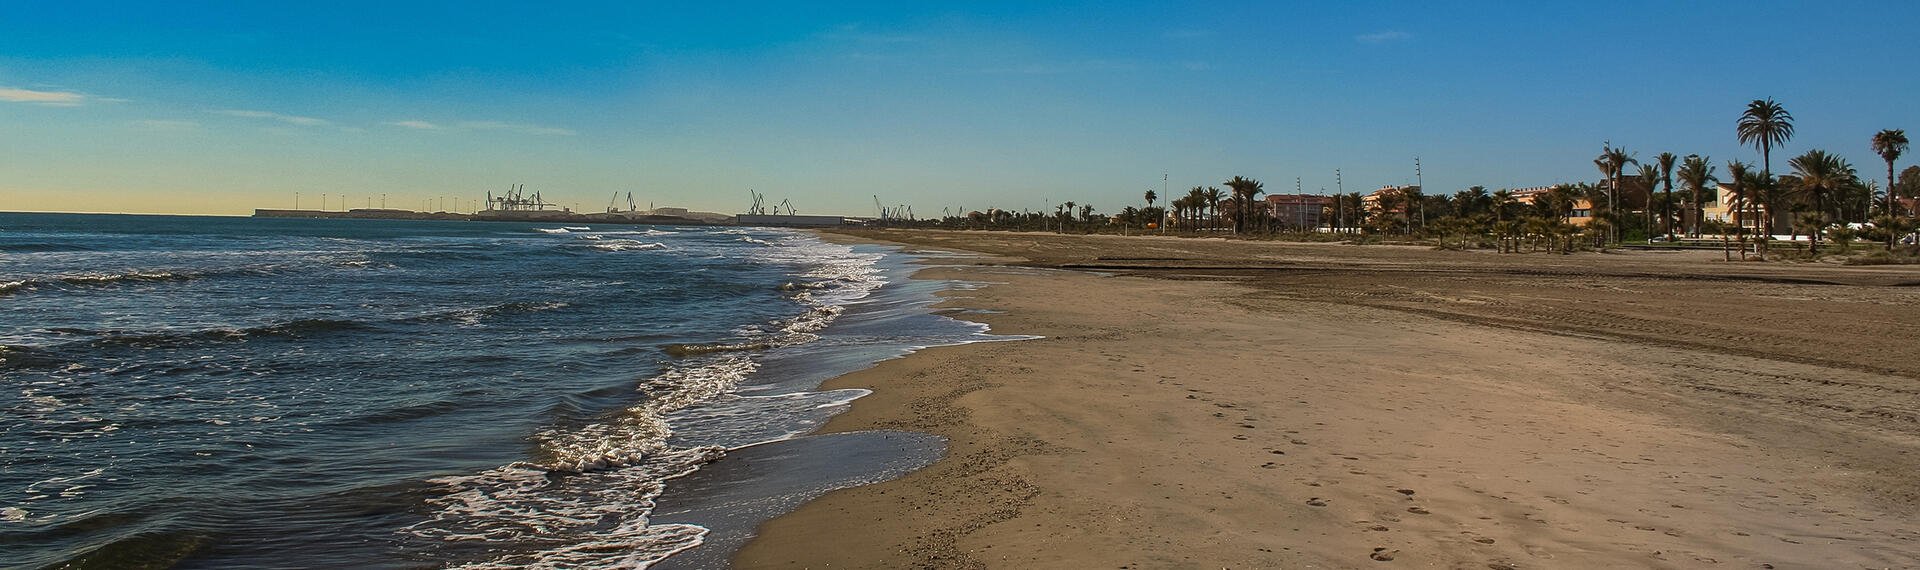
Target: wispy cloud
(1383,37)
(516,127)
(422,125)
(302,121)
(166,125)
(48,98)
(1046,68)
(854,33)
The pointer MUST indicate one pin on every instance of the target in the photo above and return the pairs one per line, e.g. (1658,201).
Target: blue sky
(224,107)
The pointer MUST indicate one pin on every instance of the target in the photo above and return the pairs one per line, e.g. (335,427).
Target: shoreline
(1193,416)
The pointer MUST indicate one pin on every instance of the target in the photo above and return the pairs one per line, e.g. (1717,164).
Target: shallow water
(239,393)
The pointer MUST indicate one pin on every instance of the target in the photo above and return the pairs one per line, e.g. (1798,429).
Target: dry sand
(1216,404)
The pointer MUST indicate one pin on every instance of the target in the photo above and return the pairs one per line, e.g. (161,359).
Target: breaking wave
(626,245)
(93,280)
(585,499)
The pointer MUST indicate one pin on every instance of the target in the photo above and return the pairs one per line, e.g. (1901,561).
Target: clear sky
(191,107)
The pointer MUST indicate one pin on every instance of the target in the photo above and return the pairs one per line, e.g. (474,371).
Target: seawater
(269,393)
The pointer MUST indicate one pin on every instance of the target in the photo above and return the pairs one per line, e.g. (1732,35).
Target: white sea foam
(626,245)
(553,230)
(585,502)
(645,232)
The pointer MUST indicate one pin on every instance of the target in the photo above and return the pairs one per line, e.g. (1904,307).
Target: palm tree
(1197,203)
(1649,174)
(1245,189)
(1416,197)
(1895,226)
(1666,161)
(1695,172)
(1771,197)
(1740,194)
(1765,125)
(1151,196)
(1501,199)
(1821,175)
(1890,144)
(1613,162)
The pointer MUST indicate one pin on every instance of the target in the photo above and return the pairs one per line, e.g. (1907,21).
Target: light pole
(1420,183)
(1340,195)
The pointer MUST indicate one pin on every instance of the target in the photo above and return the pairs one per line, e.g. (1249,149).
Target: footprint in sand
(1418,511)
(1408,492)
(1316,502)
(1382,554)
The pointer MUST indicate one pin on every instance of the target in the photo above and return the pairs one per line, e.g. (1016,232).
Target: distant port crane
(516,199)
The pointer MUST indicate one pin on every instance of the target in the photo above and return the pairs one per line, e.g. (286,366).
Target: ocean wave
(70,353)
(685,350)
(135,276)
(646,232)
(582,520)
(300,328)
(626,245)
(585,498)
(471,316)
(36,247)
(553,230)
(587,503)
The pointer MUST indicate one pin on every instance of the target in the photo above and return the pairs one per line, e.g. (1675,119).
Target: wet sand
(1219,404)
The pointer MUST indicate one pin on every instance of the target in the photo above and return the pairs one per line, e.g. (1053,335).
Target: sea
(220,392)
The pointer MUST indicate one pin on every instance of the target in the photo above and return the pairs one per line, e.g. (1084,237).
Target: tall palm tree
(1245,189)
(1501,199)
(1196,204)
(1649,174)
(1212,197)
(1770,196)
(1765,125)
(1890,144)
(1821,174)
(1613,161)
(1696,173)
(1666,161)
(1151,196)
(1415,197)
(1739,195)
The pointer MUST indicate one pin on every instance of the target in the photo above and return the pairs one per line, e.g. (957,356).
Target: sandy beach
(1202,403)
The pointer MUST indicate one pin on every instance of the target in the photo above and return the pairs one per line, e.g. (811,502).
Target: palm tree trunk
(1889,188)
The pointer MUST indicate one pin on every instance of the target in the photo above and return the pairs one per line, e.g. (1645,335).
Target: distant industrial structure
(519,205)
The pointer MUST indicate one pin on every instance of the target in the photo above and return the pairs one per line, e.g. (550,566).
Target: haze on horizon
(210,108)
